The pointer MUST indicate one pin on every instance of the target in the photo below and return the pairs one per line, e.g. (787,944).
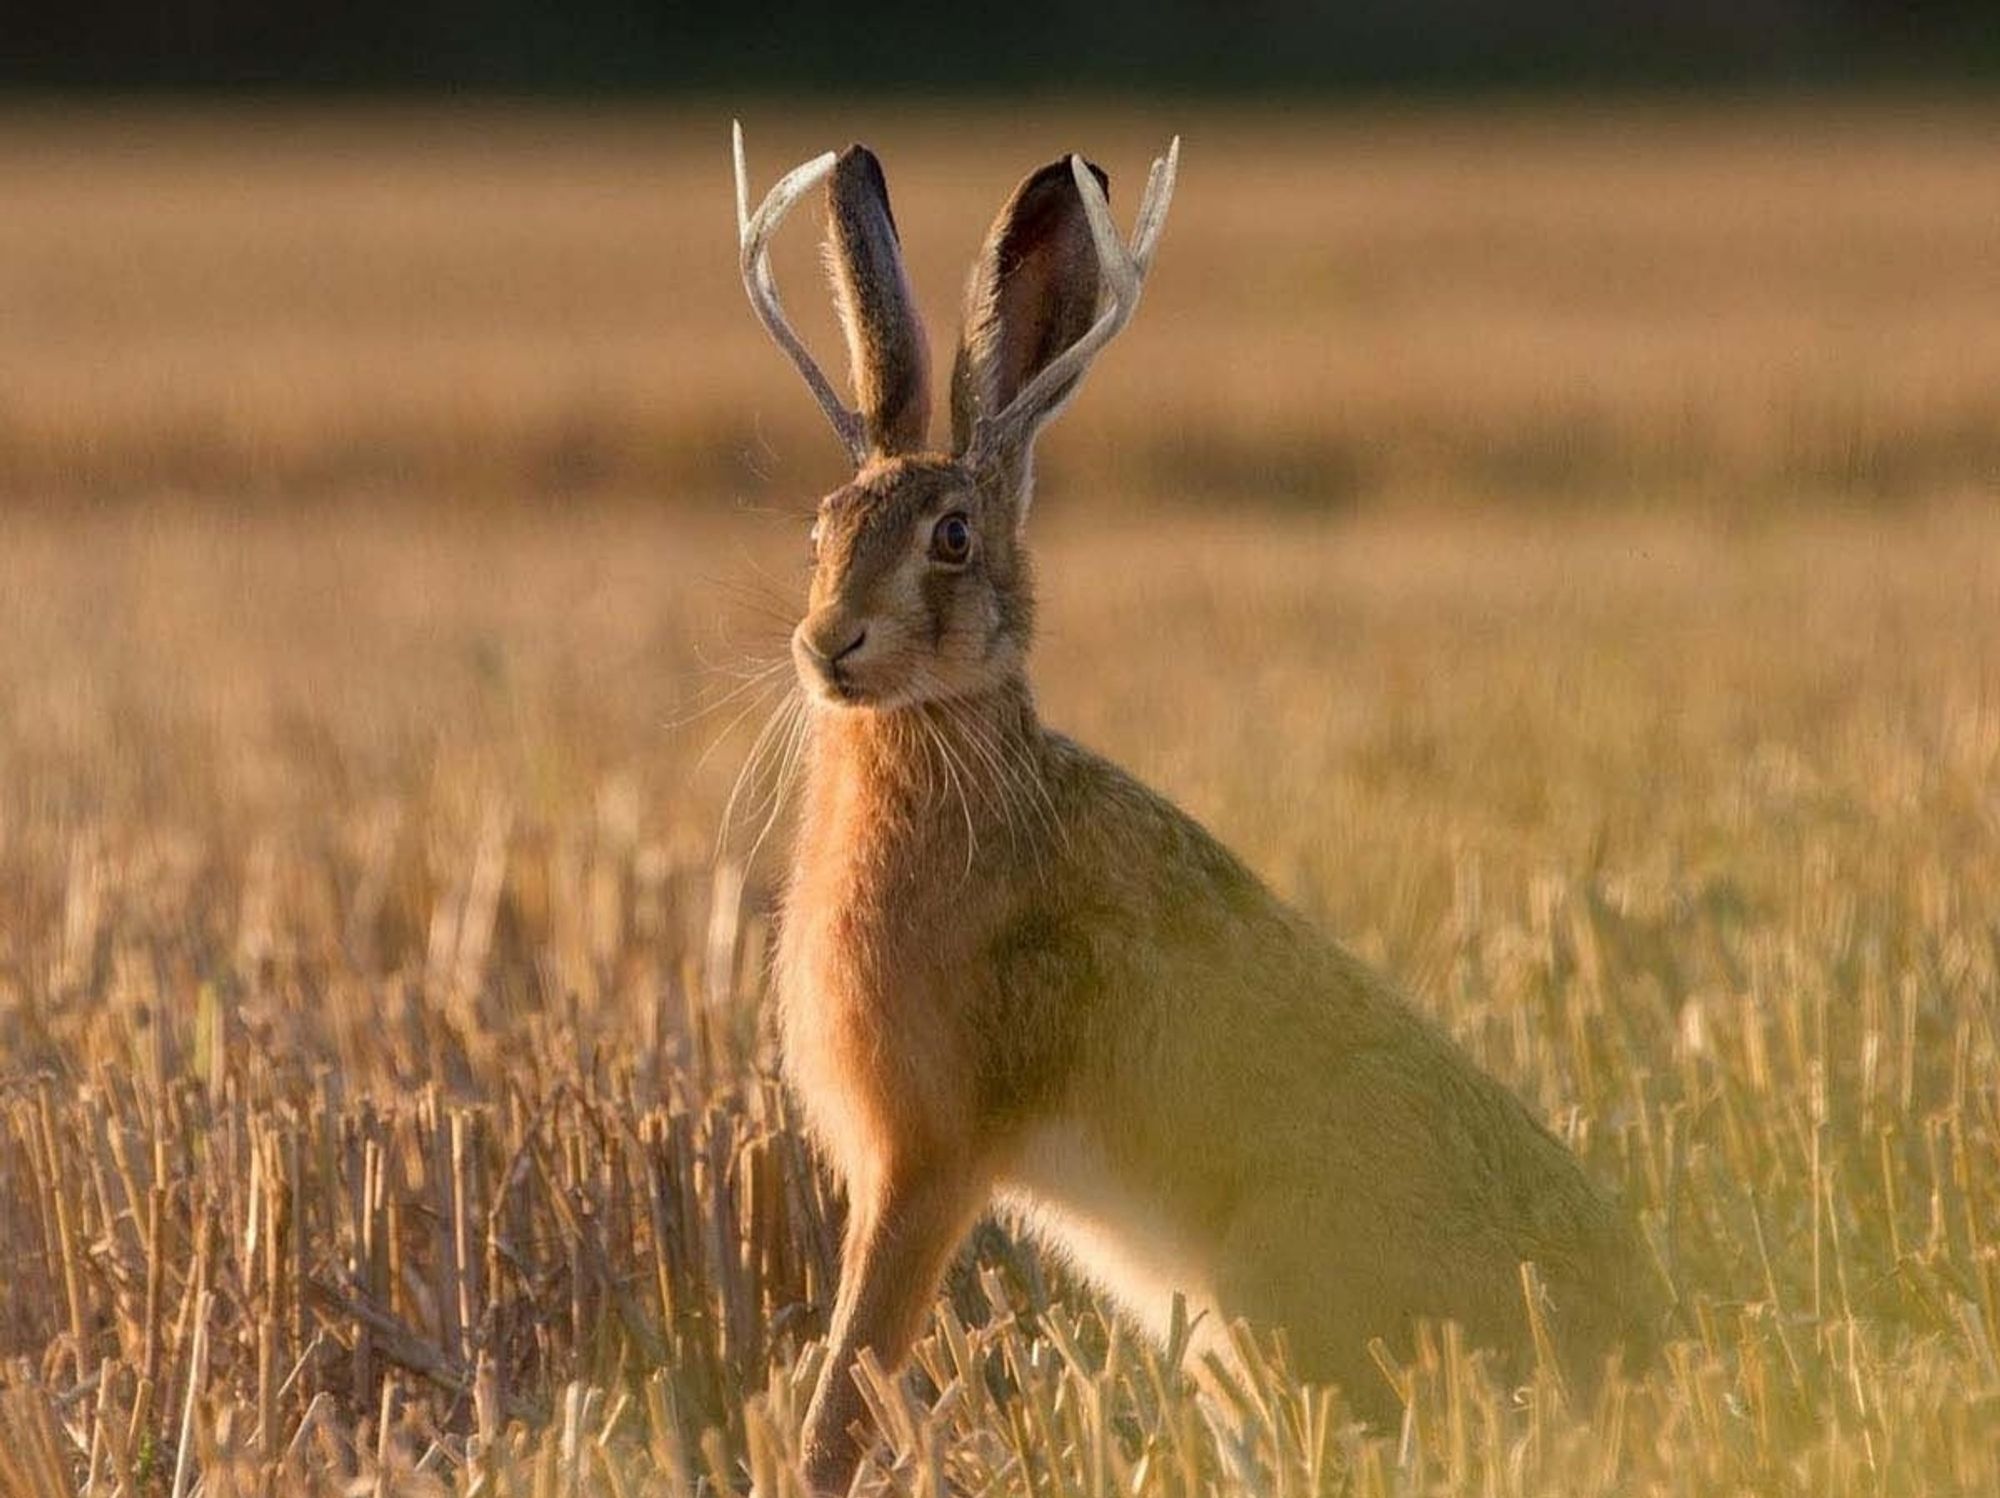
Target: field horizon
(1738,305)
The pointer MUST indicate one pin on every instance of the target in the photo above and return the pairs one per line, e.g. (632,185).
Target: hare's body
(1007,970)
(1105,1021)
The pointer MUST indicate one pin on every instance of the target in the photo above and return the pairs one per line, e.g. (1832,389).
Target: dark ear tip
(859,164)
(1056,175)
(857,178)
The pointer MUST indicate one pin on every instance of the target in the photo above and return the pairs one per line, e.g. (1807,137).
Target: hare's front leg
(901,1233)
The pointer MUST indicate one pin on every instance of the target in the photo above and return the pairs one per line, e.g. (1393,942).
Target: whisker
(1027,774)
(1019,781)
(756,701)
(933,777)
(997,792)
(764,608)
(785,588)
(737,662)
(759,747)
(953,768)
(798,726)
(748,683)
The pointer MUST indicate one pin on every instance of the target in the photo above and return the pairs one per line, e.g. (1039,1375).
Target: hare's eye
(951,539)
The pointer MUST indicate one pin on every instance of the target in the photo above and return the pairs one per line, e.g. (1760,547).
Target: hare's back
(1261,1120)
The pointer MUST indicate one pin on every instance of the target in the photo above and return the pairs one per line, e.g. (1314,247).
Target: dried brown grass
(386,1098)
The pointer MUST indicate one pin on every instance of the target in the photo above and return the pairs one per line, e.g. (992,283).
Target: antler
(1124,270)
(754,236)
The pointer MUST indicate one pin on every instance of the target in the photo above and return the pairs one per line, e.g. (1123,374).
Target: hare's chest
(867,1035)
(835,1013)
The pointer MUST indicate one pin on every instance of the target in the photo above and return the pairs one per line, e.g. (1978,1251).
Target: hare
(1007,972)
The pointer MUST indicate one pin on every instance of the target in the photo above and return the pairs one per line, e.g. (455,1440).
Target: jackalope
(1009,972)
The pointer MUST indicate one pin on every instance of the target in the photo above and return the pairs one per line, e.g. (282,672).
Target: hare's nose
(833,647)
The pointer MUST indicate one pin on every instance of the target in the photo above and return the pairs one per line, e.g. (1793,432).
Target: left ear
(889,356)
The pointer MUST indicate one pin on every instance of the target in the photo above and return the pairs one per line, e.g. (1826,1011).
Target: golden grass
(1750,305)
(387,1099)
(385,1103)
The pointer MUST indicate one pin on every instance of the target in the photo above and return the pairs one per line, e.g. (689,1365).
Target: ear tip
(858,157)
(1060,174)
(858,167)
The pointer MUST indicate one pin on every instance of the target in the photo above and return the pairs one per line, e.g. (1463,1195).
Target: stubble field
(1552,549)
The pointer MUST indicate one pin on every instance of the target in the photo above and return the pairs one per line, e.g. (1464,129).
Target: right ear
(889,356)
(1033,293)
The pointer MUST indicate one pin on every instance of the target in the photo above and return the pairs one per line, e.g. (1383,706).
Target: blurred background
(1541,518)
(629,45)
(1741,253)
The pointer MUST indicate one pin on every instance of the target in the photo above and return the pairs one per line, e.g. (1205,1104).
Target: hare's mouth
(836,687)
(841,691)
(849,692)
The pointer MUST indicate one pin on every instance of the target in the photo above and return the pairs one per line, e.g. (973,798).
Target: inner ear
(1033,293)
(888,353)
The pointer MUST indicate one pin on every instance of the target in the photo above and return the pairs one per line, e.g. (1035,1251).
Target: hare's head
(921,586)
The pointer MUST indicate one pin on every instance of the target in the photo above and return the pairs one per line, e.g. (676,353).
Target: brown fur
(1009,971)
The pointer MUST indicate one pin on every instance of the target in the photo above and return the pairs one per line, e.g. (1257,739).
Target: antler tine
(1114,259)
(1124,271)
(742,182)
(1153,206)
(754,236)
